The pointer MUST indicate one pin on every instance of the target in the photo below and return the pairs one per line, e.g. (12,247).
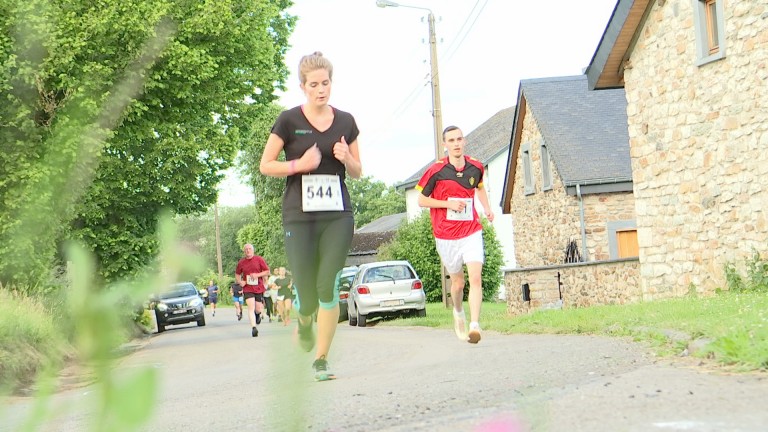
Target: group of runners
(320,147)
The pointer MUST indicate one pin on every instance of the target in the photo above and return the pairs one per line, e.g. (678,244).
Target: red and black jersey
(442,181)
(298,135)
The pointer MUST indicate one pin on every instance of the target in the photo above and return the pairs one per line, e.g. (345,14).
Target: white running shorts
(456,253)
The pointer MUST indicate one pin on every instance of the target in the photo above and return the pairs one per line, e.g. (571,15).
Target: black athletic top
(298,135)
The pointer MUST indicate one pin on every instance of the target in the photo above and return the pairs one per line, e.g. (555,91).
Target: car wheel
(421,313)
(352,319)
(361,319)
(160,328)
(201,321)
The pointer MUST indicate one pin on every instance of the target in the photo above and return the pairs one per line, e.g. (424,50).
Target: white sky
(381,66)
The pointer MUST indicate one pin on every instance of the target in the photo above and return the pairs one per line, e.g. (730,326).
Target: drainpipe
(585,253)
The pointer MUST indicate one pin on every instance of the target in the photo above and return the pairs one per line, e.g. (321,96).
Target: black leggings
(316,251)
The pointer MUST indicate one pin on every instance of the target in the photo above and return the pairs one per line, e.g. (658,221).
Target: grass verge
(731,328)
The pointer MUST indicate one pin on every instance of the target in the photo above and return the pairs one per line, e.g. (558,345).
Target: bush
(415,243)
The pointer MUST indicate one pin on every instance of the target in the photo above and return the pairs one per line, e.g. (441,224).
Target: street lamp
(436,110)
(437,114)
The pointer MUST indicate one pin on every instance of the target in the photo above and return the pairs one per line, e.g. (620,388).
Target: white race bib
(250,280)
(465,215)
(321,192)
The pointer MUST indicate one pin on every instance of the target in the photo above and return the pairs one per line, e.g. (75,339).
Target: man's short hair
(448,129)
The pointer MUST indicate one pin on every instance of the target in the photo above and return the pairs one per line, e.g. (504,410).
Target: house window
(546,176)
(527,169)
(710,28)
(710,8)
(622,239)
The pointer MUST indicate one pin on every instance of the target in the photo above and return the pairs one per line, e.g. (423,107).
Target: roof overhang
(606,70)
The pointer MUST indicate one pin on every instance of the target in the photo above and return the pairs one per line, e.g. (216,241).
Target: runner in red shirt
(248,274)
(448,188)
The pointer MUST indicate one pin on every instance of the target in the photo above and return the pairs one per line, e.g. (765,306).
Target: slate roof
(368,238)
(384,223)
(483,143)
(585,131)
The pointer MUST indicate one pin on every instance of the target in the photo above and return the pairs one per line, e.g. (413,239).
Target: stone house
(487,143)
(695,75)
(569,191)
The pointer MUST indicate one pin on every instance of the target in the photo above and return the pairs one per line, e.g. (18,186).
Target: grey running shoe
(254,332)
(322,372)
(306,336)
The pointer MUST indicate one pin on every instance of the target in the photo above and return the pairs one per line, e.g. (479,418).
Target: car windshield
(388,273)
(183,290)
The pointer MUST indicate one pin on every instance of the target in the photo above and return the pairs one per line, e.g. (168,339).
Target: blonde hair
(312,62)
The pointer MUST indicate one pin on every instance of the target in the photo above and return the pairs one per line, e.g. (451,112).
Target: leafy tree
(415,243)
(200,230)
(266,233)
(372,199)
(105,125)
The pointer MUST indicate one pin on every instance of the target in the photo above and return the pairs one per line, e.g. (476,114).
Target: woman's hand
(310,160)
(341,150)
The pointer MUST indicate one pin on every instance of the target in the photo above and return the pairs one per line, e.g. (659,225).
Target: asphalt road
(219,378)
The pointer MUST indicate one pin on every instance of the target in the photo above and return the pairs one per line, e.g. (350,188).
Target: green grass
(29,338)
(732,326)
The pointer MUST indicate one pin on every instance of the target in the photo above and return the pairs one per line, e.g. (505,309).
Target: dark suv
(180,304)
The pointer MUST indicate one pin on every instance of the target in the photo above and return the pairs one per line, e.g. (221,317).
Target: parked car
(385,288)
(345,283)
(181,304)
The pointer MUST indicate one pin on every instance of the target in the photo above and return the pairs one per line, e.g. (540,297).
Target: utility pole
(437,112)
(218,240)
(437,117)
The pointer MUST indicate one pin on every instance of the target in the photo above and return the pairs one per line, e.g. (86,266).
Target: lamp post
(437,114)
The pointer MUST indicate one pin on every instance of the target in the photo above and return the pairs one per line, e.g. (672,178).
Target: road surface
(219,378)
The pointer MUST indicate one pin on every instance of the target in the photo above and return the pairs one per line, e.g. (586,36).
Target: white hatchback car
(385,288)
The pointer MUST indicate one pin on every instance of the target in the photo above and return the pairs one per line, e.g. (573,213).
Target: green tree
(415,243)
(372,199)
(199,230)
(105,125)
(266,233)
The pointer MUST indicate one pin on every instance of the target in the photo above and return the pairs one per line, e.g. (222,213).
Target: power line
(450,55)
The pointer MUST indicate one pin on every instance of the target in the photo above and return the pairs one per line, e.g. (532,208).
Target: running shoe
(474,333)
(214,313)
(460,324)
(258,318)
(239,316)
(322,372)
(254,332)
(306,336)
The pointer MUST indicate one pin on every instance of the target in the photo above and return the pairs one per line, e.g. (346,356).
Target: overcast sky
(381,66)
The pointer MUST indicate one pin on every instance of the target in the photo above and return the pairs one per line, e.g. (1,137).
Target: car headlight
(162,307)
(196,302)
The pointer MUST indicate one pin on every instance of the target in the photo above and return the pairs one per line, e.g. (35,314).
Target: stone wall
(699,146)
(546,221)
(582,285)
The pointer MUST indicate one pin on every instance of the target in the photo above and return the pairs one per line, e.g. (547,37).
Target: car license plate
(387,303)
(179,311)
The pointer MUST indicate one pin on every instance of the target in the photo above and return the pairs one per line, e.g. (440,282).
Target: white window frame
(703,55)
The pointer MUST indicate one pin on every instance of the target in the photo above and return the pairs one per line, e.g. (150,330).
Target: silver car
(385,288)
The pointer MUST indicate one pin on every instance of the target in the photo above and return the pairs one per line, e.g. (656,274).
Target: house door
(627,242)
